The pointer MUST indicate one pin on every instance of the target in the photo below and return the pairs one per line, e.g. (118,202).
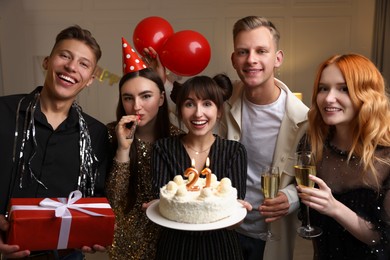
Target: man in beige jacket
(269,120)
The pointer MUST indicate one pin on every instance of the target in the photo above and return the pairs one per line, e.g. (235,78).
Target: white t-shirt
(259,133)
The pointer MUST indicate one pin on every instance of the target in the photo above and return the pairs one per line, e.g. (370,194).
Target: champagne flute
(305,165)
(270,179)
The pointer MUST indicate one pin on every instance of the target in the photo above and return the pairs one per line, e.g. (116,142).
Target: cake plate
(154,215)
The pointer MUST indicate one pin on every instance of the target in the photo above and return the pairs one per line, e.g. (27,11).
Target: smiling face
(70,69)
(143,97)
(333,100)
(255,57)
(199,115)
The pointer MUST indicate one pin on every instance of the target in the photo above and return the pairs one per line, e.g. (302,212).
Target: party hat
(131,61)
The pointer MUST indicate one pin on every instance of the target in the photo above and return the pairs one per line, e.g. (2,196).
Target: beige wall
(311,31)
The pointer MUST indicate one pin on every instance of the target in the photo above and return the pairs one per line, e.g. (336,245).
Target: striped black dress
(227,159)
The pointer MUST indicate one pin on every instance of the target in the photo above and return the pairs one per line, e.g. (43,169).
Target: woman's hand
(146,205)
(246,204)
(320,199)
(248,207)
(125,136)
(152,60)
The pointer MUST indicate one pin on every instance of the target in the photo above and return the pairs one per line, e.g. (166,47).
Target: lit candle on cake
(195,175)
(206,171)
(193,163)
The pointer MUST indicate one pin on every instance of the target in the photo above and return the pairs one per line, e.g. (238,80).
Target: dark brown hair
(161,128)
(217,89)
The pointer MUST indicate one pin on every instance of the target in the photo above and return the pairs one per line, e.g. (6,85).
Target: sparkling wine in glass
(305,165)
(270,179)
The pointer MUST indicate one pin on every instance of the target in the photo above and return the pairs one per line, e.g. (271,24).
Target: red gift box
(47,224)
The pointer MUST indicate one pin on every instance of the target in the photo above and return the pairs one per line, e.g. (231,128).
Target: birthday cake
(197,200)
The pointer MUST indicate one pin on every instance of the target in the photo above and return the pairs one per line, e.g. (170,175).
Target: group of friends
(50,147)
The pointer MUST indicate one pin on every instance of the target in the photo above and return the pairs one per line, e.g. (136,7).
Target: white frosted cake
(195,203)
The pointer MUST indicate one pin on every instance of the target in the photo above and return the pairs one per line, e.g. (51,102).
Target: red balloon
(186,53)
(153,32)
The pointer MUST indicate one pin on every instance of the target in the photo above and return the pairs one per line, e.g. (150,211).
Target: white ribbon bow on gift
(61,208)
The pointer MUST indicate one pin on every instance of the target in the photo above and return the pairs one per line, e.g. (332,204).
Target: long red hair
(371,126)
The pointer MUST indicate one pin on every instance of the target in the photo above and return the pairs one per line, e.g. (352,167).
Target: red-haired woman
(350,135)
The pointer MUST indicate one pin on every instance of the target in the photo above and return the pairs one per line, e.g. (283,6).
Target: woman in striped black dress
(199,104)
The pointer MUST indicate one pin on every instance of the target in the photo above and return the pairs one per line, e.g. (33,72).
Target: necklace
(197,152)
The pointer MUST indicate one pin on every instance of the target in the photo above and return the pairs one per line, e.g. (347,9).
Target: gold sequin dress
(135,235)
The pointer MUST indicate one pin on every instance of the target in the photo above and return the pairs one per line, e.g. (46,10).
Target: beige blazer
(294,124)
